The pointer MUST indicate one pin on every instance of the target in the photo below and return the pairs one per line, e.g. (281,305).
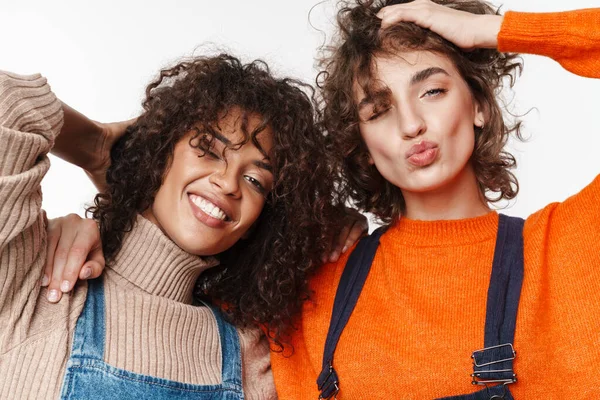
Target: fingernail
(53,296)
(45,280)
(65,286)
(87,272)
(333,257)
(345,249)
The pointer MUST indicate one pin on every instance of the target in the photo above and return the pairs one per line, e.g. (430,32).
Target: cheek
(252,208)
(379,141)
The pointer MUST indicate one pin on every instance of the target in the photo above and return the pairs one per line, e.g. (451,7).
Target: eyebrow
(227,142)
(221,138)
(416,78)
(426,73)
(263,165)
(379,94)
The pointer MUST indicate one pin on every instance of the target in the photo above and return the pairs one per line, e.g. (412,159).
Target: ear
(370,161)
(479,116)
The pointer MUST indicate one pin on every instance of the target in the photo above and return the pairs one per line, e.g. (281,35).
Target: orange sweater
(422,311)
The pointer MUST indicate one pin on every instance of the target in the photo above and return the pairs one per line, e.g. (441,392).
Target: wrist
(81,140)
(490,27)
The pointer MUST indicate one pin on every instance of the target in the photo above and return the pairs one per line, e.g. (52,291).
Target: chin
(423,181)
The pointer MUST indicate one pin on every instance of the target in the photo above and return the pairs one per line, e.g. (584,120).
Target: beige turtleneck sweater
(151,326)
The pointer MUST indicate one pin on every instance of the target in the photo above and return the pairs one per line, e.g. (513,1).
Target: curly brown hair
(350,60)
(262,280)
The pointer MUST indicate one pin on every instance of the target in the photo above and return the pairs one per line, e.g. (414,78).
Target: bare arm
(572,38)
(87,143)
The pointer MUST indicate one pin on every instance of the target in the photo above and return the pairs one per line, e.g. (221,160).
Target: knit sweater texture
(152,327)
(422,310)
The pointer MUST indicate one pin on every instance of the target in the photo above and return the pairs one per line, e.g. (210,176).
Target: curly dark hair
(350,61)
(261,280)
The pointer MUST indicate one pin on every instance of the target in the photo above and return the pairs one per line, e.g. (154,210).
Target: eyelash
(212,155)
(377,115)
(429,93)
(435,92)
(256,183)
(253,181)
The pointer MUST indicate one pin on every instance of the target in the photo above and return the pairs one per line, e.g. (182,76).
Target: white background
(99,56)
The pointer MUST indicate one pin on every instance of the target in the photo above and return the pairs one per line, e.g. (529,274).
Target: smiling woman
(218,164)
(213,193)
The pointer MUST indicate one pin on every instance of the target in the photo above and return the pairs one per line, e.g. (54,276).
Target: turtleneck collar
(149,260)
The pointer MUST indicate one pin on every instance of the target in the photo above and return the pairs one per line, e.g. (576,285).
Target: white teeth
(208,207)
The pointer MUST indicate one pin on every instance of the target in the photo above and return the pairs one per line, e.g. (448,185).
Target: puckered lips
(210,210)
(422,154)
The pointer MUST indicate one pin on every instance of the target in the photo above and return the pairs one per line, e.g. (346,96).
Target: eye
(377,114)
(212,155)
(434,92)
(256,183)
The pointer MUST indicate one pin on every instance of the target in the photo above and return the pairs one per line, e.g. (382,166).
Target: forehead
(236,123)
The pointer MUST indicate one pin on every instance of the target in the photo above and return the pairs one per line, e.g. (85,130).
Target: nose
(411,122)
(226,180)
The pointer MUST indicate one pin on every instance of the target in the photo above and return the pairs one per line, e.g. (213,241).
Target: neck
(457,199)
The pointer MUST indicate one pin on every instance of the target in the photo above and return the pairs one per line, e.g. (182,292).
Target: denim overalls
(492,365)
(88,377)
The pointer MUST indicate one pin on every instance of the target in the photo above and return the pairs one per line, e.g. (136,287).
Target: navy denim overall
(492,365)
(88,377)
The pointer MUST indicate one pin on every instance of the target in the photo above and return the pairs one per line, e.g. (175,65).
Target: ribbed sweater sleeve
(572,38)
(30,119)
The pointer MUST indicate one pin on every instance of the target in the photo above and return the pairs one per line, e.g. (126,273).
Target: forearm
(30,119)
(78,140)
(572,38)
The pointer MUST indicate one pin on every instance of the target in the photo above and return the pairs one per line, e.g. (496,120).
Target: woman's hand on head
(111,132)
(74,251)
(466,30)
(356,227)
(87,143)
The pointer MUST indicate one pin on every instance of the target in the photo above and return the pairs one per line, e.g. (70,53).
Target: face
(207,202)
(420,130)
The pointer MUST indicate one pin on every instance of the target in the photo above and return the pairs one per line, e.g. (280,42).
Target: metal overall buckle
(483,375)
(328,383)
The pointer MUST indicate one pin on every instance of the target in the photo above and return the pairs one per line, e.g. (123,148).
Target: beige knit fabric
(151,326)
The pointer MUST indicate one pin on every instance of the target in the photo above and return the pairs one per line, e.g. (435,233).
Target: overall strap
(494,363)
(230,350)
(351,283)
(90,331)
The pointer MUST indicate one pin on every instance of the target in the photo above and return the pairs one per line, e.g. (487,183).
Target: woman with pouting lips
(449,299)
(219,164)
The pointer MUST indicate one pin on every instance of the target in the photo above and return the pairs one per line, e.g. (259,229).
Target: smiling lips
(208,212)
(422,154)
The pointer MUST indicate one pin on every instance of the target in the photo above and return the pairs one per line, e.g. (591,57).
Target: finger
(94,266)
(91,270)
(61,254)
(325,255)
(359,229)
(416,12)
(54,233)
(86,242)
(339,243)
(60,259)
(396,16)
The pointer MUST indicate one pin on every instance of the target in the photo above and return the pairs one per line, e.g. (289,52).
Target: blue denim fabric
(88,377)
